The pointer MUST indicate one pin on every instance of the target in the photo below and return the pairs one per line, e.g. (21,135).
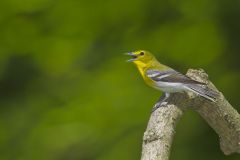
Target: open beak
(132,55)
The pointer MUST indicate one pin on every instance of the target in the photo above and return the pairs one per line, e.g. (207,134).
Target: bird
(166,79)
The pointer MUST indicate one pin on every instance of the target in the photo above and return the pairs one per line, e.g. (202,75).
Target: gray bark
(220,115)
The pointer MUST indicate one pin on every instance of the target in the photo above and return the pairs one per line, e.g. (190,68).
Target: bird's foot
(162,102)
(158,105)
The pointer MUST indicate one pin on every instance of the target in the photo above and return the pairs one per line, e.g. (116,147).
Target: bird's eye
(141,53)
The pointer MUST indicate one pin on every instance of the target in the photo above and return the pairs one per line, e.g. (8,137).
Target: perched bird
(166,79)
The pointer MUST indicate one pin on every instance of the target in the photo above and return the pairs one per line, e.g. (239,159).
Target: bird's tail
(204,91)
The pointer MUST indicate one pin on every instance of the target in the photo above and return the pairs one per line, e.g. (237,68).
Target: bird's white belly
(169,87)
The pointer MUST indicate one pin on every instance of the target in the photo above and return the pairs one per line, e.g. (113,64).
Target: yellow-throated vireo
(166,79)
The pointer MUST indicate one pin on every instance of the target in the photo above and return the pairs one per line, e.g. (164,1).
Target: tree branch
(160,131)
(220,115)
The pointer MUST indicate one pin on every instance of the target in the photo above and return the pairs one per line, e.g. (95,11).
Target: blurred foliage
(67,93)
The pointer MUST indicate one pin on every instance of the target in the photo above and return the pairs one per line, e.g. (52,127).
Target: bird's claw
(158,105)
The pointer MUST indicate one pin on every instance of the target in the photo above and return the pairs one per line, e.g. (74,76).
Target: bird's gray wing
(170,76)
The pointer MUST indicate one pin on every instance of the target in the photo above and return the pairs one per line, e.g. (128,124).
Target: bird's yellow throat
(142,66)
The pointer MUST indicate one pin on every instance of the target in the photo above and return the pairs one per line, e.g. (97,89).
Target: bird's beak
(132,55)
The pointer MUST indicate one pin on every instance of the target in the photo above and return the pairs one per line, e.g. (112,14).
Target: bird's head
(140,57)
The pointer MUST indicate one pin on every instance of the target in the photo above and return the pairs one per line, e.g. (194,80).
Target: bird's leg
(162,101)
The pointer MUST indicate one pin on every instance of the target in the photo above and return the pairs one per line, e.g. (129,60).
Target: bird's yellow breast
(142,67)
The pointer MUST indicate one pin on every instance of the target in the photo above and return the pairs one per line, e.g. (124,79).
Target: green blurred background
(66,92)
